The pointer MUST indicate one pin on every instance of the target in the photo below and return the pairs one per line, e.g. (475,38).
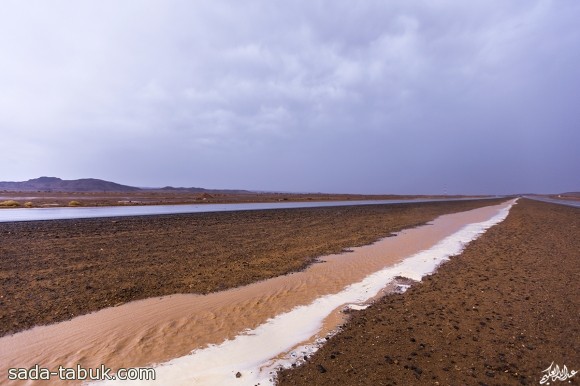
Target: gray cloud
(402,97)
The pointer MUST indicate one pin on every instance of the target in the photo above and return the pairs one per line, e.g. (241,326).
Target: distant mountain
(54,184)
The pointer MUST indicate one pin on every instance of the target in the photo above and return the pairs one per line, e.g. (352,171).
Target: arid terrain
(54,270)
(498,314)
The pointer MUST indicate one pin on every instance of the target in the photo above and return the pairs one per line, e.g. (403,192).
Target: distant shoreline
(21,199)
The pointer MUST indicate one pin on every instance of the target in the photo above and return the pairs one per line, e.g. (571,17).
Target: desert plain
(499,313)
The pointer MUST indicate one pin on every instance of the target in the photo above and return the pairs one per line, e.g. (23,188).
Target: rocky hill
(55,184)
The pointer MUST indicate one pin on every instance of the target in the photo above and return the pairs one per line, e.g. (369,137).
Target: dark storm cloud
(404,96)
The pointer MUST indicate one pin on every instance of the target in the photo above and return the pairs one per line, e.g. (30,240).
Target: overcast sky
(335,96)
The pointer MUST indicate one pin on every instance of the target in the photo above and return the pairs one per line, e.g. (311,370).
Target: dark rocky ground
(498,314)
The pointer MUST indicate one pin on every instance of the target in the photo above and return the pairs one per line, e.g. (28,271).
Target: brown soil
(53,270)
(498,314)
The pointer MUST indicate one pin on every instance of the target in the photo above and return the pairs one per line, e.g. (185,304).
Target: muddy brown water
(158,329)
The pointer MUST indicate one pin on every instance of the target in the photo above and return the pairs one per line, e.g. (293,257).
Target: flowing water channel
(208,339)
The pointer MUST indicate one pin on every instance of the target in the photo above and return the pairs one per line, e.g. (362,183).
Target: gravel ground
(498,314)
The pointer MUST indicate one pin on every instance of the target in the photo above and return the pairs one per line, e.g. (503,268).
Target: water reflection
(36,214)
